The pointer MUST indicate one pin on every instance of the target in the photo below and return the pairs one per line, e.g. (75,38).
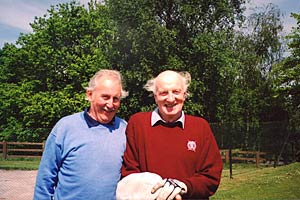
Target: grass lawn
(20,163)
(248,182)
(268,183)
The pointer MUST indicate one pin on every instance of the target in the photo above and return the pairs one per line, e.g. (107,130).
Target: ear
(89,95)
(155,97)
(185,95)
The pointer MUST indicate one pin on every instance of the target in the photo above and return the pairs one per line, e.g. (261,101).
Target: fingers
(158,186)
(175,193)
(169,190)
(178,197)
(165,192)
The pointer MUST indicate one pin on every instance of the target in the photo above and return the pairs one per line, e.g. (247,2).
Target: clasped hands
(169,189)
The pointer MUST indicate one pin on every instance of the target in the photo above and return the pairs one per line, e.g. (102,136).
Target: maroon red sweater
(190,155)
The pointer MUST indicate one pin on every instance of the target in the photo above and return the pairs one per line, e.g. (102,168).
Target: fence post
(4,150)
(230,162)
(257,159)
(226,156)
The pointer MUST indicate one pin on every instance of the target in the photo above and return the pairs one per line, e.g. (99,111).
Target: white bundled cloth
(138,186)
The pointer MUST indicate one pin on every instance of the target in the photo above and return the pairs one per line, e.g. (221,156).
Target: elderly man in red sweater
(178,147)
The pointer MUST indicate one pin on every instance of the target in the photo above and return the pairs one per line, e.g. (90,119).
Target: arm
(205,169)
(206,179)
(130,162)
(46,180)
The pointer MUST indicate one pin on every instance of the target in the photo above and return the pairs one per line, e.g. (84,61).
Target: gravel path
(17,184)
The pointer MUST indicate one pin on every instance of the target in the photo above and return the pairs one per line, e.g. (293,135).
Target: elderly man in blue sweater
(83,152)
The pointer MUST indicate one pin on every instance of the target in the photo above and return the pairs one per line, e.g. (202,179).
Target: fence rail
(238,155)
(21,149)
(35,150)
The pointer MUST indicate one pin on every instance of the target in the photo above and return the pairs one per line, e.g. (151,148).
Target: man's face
(169,96)
(105,99)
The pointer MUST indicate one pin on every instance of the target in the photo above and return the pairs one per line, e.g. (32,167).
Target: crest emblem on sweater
(191,145)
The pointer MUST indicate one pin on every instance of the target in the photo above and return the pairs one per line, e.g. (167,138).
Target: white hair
(185,76)
(107,72)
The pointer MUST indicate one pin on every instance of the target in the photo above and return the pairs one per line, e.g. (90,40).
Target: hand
(170,189)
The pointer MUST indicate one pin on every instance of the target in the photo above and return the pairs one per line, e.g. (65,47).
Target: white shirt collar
(155,117)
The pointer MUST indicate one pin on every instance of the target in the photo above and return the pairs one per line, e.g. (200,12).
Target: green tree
(158,35)
(44,77)
(256,50)
(286,76)
(67,45)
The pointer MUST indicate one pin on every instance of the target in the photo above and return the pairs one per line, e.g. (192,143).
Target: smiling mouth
(109,110)
(170,106)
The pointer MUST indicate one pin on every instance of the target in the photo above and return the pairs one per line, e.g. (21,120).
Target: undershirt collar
(156,119)
(93,123)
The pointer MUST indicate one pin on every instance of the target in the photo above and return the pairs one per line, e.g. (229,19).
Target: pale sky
(15,15)
(286,7)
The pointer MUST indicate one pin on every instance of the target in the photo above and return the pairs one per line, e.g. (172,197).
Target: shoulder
(69,119)
(140,116)
(120,121)
(68,123)
(198,123)
(139,119)
(195,119)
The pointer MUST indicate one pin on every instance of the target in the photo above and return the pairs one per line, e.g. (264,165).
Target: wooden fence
(35,150)
(21,149)
(247,156)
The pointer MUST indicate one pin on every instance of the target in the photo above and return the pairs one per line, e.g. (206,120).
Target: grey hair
(107,72)
(150,86)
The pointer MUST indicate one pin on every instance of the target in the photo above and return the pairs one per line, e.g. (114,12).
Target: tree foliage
(44,79)
(44,75)
(286,77)
(158,35)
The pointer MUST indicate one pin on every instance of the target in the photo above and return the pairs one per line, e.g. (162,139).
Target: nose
(109,103)
(170,97)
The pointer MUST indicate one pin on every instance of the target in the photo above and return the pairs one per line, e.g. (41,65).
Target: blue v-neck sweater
(81,162)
